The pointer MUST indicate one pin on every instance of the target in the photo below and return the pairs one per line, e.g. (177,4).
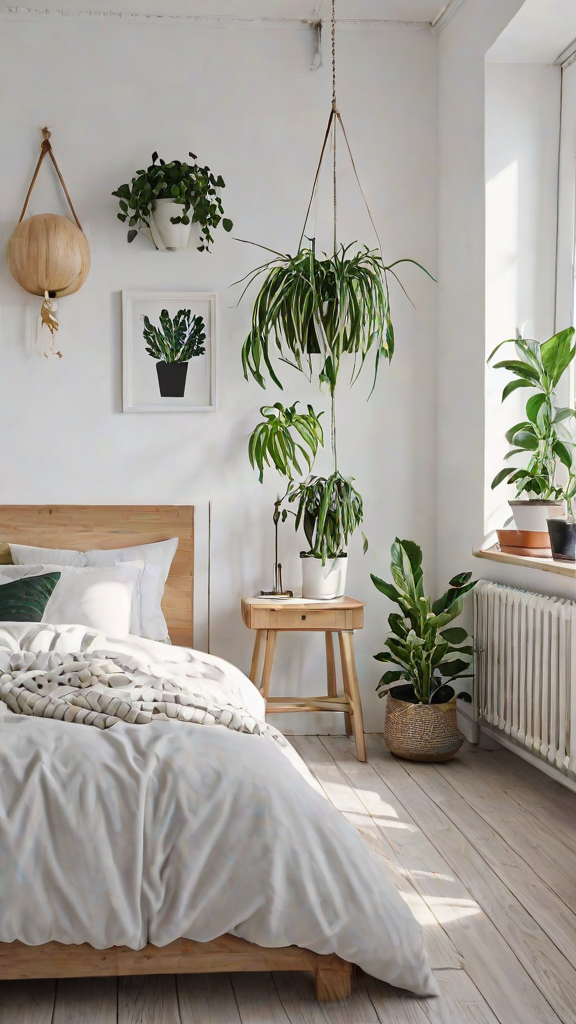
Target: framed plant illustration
(169,351)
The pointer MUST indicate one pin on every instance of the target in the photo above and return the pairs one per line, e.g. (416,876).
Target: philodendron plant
(542,436)
(192,187)
(428,655)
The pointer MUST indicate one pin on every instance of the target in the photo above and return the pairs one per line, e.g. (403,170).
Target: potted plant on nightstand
(427,656)
(173,344)
(330,510)
(168,198)
(542,437)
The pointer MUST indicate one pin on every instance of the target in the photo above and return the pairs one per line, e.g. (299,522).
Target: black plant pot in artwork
(562,539)
(172,379)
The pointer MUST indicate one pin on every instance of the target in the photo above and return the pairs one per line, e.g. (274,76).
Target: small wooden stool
(342,616)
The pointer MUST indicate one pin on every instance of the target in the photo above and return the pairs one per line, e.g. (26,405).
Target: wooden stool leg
(268,659)
(330,666)
(256,655)
(349,672)
(345,679)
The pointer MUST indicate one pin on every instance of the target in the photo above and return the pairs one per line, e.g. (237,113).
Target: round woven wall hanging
(49,255)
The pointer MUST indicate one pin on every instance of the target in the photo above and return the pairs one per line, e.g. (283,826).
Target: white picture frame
(141,386)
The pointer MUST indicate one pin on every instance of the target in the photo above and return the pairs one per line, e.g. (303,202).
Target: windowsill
(545,564)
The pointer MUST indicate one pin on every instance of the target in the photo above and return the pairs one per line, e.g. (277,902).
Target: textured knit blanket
(101,689)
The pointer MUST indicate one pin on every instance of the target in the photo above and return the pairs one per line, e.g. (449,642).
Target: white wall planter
(323,582)
(532,516)
(165,234)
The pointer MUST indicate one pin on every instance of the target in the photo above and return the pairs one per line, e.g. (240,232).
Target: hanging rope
(45,148)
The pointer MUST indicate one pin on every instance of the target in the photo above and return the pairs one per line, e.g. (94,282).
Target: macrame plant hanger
(330,137)
(47,254)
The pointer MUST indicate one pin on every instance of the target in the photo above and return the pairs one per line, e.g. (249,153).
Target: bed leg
(333,979)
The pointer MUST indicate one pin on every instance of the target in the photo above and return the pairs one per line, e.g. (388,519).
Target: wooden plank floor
(483,849)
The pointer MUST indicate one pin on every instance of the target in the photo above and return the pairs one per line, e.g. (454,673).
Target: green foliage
(272,441)
(177,340)
(193,187)
(422,650)
(543,436)
(330,510)
(310,306)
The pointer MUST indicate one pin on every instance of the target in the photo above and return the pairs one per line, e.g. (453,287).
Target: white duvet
(149,833)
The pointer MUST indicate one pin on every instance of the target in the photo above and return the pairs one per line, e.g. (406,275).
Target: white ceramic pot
(532,516)
(171,236)
(323,582)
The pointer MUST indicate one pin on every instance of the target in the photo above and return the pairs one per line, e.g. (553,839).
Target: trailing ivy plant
(425,654)
(176,340)
(329,510)
(329,306)
(283,434)
(193,187)
(543,435)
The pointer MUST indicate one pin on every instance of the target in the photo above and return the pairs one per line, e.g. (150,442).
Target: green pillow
(25,600)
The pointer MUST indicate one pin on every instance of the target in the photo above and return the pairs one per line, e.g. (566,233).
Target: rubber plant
(542,436)
(428,655)
(176,340)
(195,188)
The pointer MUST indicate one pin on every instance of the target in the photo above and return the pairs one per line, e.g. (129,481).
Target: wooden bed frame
(83,527)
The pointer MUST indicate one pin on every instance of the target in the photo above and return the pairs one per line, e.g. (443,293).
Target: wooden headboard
(83,527)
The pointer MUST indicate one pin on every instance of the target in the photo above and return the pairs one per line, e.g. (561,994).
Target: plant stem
(333,427)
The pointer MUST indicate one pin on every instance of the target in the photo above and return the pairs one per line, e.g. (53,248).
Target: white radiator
(525,672)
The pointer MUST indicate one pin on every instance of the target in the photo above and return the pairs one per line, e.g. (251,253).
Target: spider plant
(329,306)
(426,655)
(282,435)
(176,340)
(542,435)
(329,510)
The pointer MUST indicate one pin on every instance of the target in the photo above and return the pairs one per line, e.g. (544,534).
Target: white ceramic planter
(171,236)
(323,582)
(532,516)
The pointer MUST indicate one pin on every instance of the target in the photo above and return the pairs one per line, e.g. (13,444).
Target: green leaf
(456,635)
(520,369)
(227,224)
(501,476)
(514,385)
(385,588)
(563,454)
(557,353)
(533,406)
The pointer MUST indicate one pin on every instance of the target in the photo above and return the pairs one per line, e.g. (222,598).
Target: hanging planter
(47,254)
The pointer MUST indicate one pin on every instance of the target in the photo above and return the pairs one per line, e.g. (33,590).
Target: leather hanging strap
(44,149)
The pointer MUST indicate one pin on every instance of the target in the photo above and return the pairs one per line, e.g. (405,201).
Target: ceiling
(539,33)
(393,10)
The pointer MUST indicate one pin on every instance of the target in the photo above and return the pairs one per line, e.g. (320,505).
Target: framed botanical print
(168,351)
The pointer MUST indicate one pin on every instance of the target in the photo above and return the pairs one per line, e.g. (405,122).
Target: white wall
(247,103)
(522,130)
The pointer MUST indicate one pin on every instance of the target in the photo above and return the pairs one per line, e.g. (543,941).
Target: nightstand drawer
(328,617)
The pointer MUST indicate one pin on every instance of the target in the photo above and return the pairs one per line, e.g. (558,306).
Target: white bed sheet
(149,833)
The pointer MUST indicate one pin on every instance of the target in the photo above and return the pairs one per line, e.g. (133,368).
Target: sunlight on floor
(447,908)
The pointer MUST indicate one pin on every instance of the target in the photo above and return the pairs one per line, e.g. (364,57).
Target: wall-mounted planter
(562,539)
(171,236)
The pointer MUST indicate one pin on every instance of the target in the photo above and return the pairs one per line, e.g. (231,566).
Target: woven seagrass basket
(422,732)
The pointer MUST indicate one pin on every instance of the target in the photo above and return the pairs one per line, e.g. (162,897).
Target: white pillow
(23,554)
(157,557)
(103,599)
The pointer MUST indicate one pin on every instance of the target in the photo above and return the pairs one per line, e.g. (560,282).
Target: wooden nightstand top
(296,613)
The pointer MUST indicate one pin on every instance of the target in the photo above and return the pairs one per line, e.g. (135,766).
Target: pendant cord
(335,114)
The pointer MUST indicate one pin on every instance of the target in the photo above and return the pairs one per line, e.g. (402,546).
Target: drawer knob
(303,617)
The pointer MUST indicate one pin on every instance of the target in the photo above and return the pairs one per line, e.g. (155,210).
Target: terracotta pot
(421,732)
(525,542)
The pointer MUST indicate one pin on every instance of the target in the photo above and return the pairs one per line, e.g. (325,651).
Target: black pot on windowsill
(562,539)
(172,379)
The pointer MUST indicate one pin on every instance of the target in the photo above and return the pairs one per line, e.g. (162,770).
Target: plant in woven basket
(176,340)
(329,510)
(192,187)
(427,656)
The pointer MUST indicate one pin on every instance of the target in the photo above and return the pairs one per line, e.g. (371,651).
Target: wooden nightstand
(343,616)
